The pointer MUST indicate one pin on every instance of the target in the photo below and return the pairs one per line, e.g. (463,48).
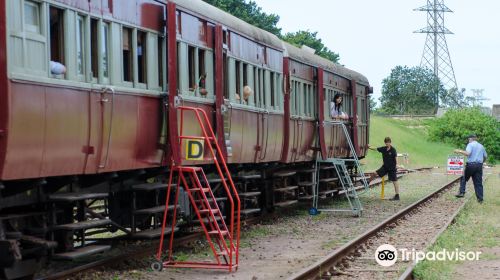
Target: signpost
(455,165)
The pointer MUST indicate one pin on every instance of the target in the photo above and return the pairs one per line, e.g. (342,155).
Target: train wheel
(157,266)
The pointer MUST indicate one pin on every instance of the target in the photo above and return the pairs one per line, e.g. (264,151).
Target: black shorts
(382,171)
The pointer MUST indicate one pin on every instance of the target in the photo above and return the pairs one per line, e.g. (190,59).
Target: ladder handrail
(202,117)
(354,153)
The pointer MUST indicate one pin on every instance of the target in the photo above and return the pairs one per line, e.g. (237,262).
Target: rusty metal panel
(25,135)
(66,131)
(301,70)
(193,30)
(82,5)
(274,59)
(125,11)
(149,120)
(151,15)
(246,49)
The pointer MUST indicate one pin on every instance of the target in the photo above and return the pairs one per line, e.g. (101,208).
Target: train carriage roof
(231,21)
(308,57)
(228,20)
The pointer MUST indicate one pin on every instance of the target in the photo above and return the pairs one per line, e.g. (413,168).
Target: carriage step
(309,170)
(216,180)
(70,197)
(153,210)
(305,184)
(82,252)
(327,167)
(306,197)
(248,194)
(249,211)
(83,225)
(286,189)
(328,180)
(286,173)
(286,203)
(147,187)
(248,177)
(153,233)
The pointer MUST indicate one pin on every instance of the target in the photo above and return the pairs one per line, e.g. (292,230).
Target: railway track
(150,249)
(353,259)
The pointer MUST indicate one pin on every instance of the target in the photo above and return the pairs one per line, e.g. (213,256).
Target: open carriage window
(127,54)
(57,58)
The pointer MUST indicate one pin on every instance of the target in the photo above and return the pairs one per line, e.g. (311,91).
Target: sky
(372,37)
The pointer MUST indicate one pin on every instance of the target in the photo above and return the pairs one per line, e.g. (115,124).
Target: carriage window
(141,57)
(191,65)
(79,45)
(238,80)
(305,100)
(202,74)
(57,35)
(94,54)
(273,90)
(104,49)
(160,61)
(225,73)
(32,17)
(127,54)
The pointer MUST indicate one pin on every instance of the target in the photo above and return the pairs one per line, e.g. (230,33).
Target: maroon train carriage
(87,151)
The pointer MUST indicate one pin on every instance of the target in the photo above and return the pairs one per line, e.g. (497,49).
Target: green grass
(476,227)
(408,136)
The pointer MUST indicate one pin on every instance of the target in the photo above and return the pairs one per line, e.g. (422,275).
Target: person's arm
(370,147)
(485,155)
(466,152)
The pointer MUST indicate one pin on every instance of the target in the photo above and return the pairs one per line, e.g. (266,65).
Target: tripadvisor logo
(387,255)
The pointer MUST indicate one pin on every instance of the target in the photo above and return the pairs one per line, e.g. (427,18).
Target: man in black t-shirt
(389,156)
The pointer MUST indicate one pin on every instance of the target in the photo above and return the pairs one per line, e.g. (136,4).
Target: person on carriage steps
(476,155)
(389,157)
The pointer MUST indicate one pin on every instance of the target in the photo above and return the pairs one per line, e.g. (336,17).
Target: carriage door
(296,122)
(262,91)
(362,125)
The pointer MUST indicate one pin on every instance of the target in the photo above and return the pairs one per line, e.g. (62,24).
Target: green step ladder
(345,180)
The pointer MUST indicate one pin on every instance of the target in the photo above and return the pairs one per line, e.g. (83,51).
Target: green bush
(456,124)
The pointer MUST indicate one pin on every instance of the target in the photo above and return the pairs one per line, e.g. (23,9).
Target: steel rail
(316,270)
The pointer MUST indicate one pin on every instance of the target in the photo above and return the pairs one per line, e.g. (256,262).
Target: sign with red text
(455,165)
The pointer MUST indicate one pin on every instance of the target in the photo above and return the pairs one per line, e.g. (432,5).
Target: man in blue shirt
(476,155)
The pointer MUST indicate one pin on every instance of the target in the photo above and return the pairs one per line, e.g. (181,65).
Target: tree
(253,14)
(456,124)
(455,98)
(250,13)
(373,104)
(413,90)
(309,39)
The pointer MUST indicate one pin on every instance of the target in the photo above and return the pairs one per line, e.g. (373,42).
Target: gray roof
(257,34)
(231,22)
(312,59)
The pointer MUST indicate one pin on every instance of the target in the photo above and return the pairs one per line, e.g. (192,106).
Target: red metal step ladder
(221,239)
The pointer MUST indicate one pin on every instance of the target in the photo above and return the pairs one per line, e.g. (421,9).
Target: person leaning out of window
(336,108)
